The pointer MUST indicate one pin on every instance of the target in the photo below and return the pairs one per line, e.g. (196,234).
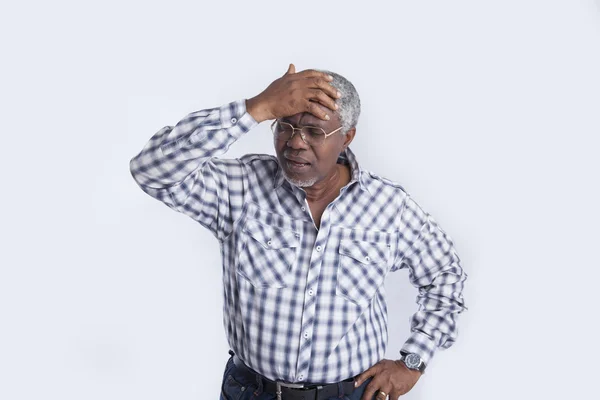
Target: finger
(320,97)
(394,394)
(371,390)
(312,108)
(363,376)
(311,73)
(388,393)
(326,87)
(291,70)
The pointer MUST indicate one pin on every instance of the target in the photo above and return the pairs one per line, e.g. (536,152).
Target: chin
(300,182)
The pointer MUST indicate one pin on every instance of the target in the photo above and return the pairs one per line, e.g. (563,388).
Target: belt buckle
(279,384)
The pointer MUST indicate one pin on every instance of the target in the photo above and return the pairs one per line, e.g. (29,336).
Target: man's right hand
(294,93)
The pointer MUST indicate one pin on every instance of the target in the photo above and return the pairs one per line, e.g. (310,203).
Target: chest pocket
(362,268)
(268,254)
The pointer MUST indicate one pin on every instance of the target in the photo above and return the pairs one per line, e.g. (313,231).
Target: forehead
(305,118)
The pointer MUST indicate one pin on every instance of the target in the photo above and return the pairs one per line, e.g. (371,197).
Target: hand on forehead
(305,118)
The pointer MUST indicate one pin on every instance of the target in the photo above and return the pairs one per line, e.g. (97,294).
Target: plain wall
(487,112)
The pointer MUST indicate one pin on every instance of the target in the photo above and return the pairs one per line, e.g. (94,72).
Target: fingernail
(339,94)
(355,383)
(336,106)
(327,117)
(330,77)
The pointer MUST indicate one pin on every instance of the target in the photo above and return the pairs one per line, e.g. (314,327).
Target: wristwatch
(412,361)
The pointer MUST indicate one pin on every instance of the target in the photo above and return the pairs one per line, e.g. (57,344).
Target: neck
(329,186)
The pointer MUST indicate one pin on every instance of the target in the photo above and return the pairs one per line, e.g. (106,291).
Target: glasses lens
(314,136)
(283,130)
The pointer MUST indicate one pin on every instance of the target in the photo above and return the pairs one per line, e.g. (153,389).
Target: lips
(296,164)
(297,160)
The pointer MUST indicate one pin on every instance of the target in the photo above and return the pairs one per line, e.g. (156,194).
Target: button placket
(316,261)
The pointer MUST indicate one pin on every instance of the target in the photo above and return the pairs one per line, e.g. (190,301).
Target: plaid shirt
(301,303)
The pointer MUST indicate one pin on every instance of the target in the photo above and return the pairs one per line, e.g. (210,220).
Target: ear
(348,137)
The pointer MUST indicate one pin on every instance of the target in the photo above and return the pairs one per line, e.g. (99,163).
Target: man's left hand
(391,377)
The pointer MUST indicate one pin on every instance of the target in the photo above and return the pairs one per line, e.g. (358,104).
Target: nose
(296,141)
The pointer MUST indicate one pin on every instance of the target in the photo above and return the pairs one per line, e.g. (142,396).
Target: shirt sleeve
(435,270)
(179,166)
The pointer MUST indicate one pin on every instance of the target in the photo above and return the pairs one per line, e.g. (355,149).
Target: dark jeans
(236,387)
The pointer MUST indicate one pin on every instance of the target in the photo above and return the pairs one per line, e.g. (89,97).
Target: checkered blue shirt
(303,304)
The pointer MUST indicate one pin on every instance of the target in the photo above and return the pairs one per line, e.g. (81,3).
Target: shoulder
(380,182)
(410,212)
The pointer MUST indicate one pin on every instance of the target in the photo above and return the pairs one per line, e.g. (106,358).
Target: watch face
(412,361)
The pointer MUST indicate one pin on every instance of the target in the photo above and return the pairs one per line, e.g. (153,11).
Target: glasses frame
(302,133)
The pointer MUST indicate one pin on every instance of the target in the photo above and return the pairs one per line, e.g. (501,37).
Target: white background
(487,112)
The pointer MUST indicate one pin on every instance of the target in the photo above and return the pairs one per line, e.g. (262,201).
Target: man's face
(314,163)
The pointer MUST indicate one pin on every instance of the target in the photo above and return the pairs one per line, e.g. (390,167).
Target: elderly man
(307,240)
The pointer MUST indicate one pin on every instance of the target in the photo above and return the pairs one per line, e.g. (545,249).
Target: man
(307,239)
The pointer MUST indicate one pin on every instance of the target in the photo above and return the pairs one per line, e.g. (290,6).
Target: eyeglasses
(311,135)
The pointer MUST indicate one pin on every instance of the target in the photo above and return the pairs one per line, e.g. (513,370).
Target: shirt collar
(346,157)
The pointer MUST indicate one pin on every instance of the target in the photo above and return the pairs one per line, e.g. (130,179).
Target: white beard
(300,183)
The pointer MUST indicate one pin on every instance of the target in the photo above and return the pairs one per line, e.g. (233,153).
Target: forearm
(174,153)
(440,302)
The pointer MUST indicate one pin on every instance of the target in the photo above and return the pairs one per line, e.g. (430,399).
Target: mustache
(289,154)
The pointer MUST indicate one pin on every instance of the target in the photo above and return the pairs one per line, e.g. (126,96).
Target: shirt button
(301,378)
(318,248)
(303,209)
(269,243)
(310,292)
(368,258)
(233,120)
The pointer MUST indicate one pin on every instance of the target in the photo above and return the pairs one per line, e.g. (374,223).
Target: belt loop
(340,390)
(259,389)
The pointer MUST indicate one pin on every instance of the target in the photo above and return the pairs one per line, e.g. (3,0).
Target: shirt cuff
(420,344)
(236,119)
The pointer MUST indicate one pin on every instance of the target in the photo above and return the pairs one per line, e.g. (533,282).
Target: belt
(295,391)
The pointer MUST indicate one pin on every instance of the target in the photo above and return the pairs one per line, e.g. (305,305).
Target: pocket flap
(271,237)
(365,252)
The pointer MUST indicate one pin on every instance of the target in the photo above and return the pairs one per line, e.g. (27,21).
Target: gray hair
(349,103)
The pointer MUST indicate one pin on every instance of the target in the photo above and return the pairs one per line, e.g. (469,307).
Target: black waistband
(309,391)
